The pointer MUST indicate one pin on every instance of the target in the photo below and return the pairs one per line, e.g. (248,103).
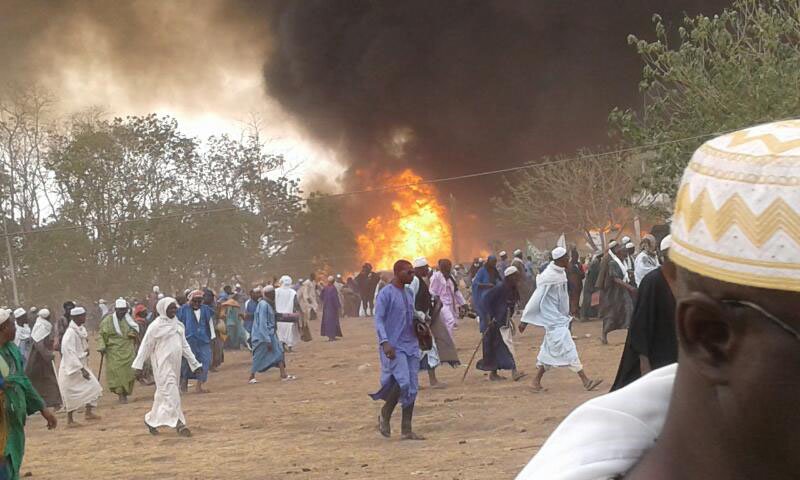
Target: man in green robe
(19,399)
(231,312)
(117,343)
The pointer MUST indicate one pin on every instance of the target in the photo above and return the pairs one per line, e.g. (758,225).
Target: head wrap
(517,252)
(503,254)
(156,289)
(163,304)
(286,281)
(666,243)
(558,252)
(420,262)
(43,313)
(612,244)
(19,312)
(77,311)
(120,303)
(737,210)
(195,294)
(510,271)
(626,239)
(630,245)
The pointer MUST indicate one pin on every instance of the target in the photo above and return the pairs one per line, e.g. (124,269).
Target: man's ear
(707,338)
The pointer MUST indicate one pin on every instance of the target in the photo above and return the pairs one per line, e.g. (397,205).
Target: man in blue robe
(486,277)
(198,320)
(267,350)
(398,350)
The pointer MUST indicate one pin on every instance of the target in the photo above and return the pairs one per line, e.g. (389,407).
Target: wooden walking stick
(480,342)
(100,371)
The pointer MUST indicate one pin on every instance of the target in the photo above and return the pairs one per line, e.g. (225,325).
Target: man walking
(398,349)
(79,386)
(117,344)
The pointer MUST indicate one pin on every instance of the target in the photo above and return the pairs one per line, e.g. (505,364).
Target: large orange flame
(416,226)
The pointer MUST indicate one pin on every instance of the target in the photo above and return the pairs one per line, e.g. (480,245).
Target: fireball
(415,226)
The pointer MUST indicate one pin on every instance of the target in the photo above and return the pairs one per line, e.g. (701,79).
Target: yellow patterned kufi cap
(737,213)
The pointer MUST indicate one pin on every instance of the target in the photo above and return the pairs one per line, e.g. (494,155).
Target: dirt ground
(323,424)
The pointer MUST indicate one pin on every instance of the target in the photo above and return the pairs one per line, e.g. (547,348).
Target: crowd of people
(710,285)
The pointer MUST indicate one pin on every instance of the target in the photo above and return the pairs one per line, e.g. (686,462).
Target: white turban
(156,289)
(420,262)
(510,271)
(558,252)
(44,313)
(666,243)
(19,312)
(286,281)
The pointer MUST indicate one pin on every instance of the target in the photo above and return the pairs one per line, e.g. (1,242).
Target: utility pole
(453,228)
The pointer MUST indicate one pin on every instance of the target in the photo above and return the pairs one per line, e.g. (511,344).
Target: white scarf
(81,331)
(552,275)
(128,320)
(41,329)
(23,333)
(621,266)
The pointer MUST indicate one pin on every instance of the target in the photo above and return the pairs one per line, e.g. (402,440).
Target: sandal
(153,430)
(288,378)
(593,384)
(252,381)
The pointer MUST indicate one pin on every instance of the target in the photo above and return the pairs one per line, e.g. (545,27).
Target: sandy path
(323,424)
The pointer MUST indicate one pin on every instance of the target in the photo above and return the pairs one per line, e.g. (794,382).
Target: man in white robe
(164,344)
(285,302)
(647,260)
(22,339)
(307,298)
(549,308)
(79,386)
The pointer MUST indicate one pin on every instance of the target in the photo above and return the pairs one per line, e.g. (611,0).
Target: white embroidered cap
(420,262)
(510,271)
(19,312)
(737,211)
(120,303)
(77,311)
(558,252)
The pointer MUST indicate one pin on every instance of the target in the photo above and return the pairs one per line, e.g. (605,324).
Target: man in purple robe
(398,350)
(331,309)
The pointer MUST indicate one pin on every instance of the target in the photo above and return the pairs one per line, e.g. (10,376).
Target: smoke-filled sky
(447,87)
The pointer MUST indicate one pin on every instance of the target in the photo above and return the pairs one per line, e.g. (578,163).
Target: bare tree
(559,195)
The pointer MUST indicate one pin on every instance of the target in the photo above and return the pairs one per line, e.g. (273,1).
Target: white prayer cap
(19,312)
(666,243)
(160,296)
(257,289)
(510,271)
(630,245)
(33,309)
(558,252)
(5,314)
(77,311)
(626,239)
(330,278)
(44,313)
(101,301)
(503,253)
(612,244)
(480,259)
(156,289)
(737,210)
(238,285)
(420,262)
(120,303)
(269,288)
(286,280)
(517,252)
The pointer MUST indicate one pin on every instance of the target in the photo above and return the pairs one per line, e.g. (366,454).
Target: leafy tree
(725,72)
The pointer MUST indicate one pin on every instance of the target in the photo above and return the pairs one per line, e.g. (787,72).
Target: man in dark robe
(498,347)
(616,301)
(652,342)
(587,309)
(366,281)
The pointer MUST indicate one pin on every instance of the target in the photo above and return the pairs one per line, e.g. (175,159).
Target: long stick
(100,372)
(480,342)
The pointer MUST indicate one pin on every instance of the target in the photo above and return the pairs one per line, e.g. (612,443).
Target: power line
(380,189)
